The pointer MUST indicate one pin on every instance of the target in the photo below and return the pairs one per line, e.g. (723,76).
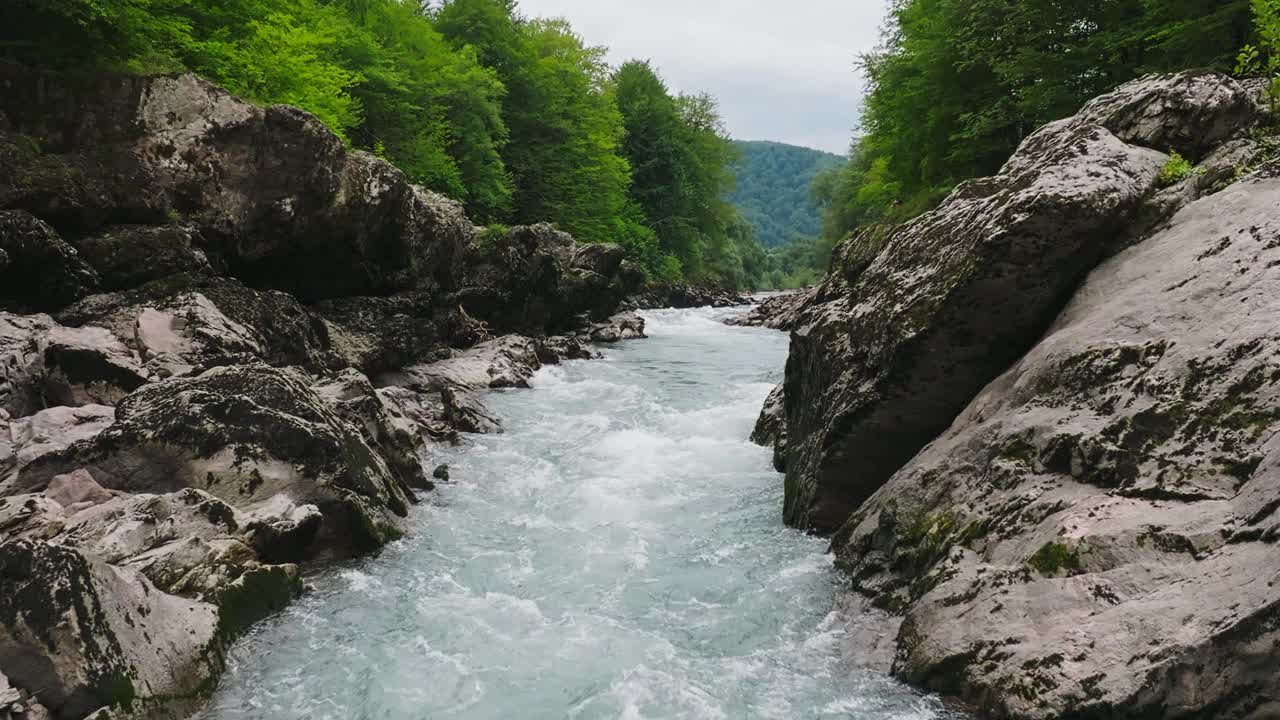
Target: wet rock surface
(1058,470)
(194,293)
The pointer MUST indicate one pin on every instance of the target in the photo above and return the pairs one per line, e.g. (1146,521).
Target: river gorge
(617,553)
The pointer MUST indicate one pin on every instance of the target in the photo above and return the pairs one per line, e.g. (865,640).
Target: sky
(782,71)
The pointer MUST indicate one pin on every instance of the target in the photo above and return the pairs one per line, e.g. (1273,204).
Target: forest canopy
(957,84)
(773,190)
(519,118)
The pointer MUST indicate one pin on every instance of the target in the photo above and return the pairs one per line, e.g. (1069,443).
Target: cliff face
(1061,471)
(194,295)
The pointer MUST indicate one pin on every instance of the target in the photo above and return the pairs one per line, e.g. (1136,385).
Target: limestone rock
(1189,112)
(601,258)
(465,413)
(22,343)
(382,334)
(355,399)
(127,256)
(771,427)
(83,634)
(27,439)
(681,296)
(40,272)
(279,200)
(877,370)
(76,489)
(184,323)
(509,361)
(624,326)
(43,363)
(780,312)
(244,434)
(1095,534)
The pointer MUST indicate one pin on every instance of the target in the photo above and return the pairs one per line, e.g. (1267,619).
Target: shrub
(1176,170)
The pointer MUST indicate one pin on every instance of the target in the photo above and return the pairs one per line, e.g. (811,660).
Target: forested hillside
(519,118)
(956,86)
(772,191)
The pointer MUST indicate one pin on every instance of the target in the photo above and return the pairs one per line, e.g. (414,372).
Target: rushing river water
(618,553)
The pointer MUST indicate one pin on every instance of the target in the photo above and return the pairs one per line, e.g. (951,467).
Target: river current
(617,553)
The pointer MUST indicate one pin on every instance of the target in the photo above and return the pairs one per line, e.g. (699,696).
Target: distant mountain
(773,189)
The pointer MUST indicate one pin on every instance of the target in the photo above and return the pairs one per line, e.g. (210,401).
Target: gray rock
(1095,534)
(22,342)
(41,272)
(88,366)
(780,312)
(245,434)
(75,489)
(43,363)
(877,370)
(1191,112)
(553,350)
(600,258)
(126,256)
(624,326)
(49,431)
(277,197)
(355,399)
(185,323)
(82,634)
(771,427)
(683,296)
(465,413)
(508,361)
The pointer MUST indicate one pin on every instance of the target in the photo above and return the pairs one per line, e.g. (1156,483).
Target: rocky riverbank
(228,347)
(1040,420)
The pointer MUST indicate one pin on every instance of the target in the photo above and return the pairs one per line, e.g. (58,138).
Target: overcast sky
(782,70)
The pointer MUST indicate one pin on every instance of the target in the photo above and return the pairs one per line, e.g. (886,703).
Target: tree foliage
(957,84)
(518,118)
(772,191)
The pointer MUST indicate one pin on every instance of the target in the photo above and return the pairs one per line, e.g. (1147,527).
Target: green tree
(957,84)
(564,128)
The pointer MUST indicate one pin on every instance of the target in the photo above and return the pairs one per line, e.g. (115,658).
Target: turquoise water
(618,553)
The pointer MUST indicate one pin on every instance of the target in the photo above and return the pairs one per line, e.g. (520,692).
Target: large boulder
(380,334)
(80,634)
(26,439)
(1190,112)
(1095,534)
(126,256)
(39,271)
(187,323)
(277,198)
(45,364)
(506,362)
(901,338)
(246,434)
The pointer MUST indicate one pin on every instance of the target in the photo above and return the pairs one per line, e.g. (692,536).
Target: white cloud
(782,71)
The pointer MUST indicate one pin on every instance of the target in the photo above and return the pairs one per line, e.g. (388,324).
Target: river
(617,553)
